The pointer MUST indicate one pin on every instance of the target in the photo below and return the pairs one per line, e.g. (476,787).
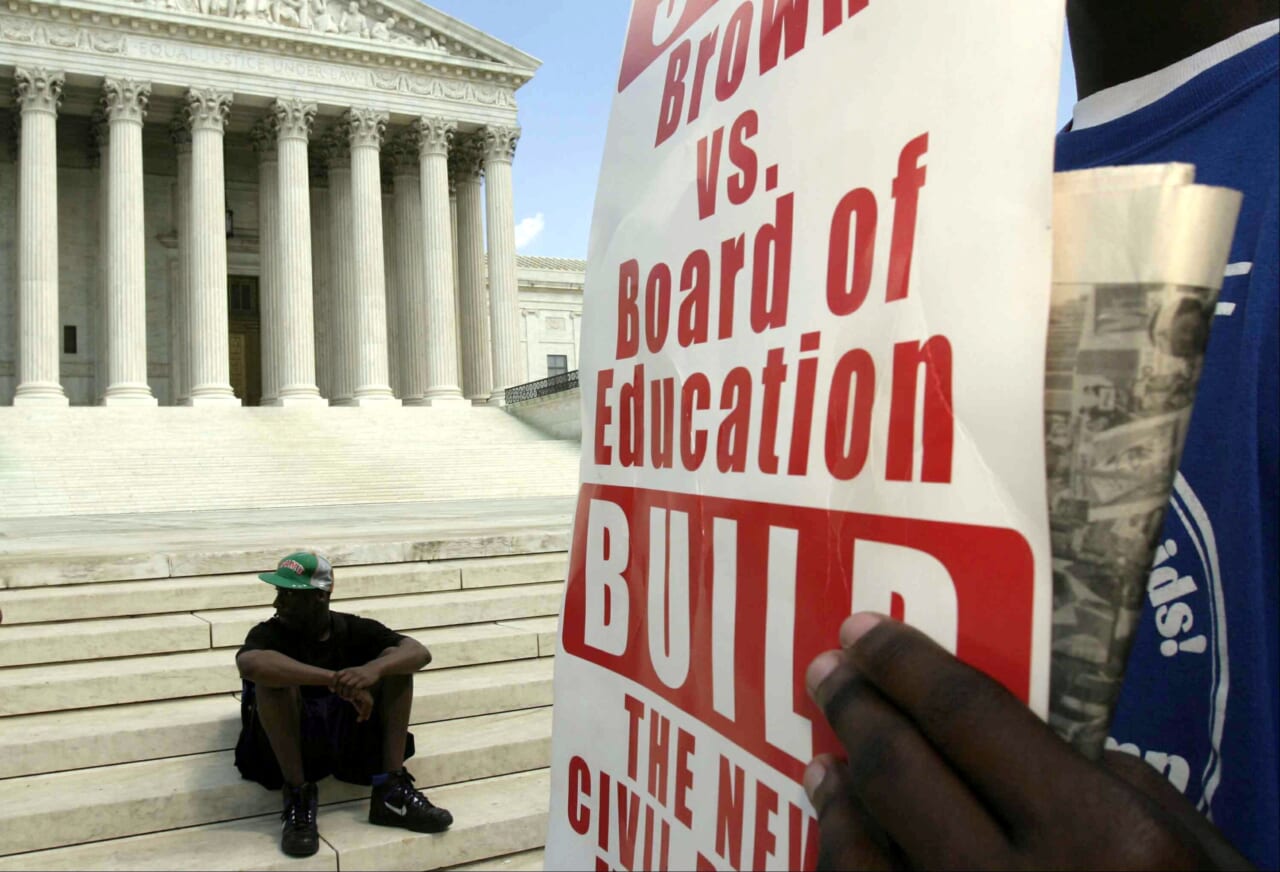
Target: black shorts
(333,743)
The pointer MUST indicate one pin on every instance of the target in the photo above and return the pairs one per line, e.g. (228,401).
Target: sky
(564,110)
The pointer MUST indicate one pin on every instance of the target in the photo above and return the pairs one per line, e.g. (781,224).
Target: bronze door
(244,338)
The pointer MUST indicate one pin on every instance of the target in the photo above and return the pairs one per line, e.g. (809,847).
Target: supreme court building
(265,202)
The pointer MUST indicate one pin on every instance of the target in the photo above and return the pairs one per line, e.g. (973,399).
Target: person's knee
(393,689)
(277,698)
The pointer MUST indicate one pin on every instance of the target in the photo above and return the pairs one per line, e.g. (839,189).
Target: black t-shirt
(353,641)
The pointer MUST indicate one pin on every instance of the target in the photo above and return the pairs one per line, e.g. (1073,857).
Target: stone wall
(558,415)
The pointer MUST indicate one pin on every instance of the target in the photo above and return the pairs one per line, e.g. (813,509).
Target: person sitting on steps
(328,693)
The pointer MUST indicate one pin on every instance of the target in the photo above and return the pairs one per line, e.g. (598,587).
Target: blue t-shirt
(1200,697)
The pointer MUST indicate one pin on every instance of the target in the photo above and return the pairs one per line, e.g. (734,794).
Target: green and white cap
(302,570)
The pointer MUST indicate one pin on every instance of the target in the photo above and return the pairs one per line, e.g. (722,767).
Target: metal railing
(565,381)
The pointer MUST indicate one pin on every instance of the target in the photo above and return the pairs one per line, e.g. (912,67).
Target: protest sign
(812,379)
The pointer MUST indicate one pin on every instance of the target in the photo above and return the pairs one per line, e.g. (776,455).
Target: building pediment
(391,29)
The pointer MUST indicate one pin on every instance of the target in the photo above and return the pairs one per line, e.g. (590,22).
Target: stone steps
(86,684)
(505,815)
(51,742)
(173,459)
(228,627)
(114,637)
(59,560)
(159,596)
(46,811)
(122,757)
(125,637)
(525,861)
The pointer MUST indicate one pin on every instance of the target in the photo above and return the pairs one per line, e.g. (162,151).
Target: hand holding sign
(947,769)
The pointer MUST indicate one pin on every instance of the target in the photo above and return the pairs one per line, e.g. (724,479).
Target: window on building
(557,364)
(68,339)
(242,295)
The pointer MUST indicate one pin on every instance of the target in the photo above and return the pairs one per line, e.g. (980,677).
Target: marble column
(263,135)
(102,142)
(395,286)
(504,301)
(342,275)
(181,136)
(294,328)
(37,94)
(366,128)
(476,357)
(208,362)
(453,249)
(415,342)
(434,136)
(125,101)
(320,282)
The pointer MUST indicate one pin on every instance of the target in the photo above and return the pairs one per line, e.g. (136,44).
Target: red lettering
(631,420)
(897,607)
(628,344)
(831,12)
(673,93)
(706,51)
(769,309)
(742,184)
(845,295)
(648,837)
(848,440)
(695,279)
(602,838)
(765,841)
(802,417)
(992,569)
(579,786)
(937,431)
(731,440)
(733,52)
(732,260)
(635,714)
(685,744)
(628,824)
(709,172)
(695,395)
(906,198)
(782,18)
(704,865)
(662,422)
(730,809)
(804,830)
(659,757)
(657,307)
(604,416)
(774,374)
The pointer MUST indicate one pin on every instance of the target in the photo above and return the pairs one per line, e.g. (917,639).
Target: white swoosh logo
(402,811)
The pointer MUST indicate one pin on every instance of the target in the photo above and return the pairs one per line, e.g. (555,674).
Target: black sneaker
(298,834)
(397,803)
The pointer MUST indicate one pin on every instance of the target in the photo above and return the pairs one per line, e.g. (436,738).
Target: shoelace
(299,812)
(412,796)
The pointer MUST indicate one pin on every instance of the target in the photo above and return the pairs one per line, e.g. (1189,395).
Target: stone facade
(221,201)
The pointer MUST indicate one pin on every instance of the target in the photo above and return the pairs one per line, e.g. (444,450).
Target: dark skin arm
(273,669)
(1114,41)
(403,659)
(947,769)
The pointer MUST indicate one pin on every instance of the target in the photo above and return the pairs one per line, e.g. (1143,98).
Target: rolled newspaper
(1139,256)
